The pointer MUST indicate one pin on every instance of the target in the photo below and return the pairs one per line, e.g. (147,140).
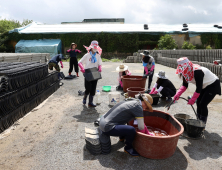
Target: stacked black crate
(23,86)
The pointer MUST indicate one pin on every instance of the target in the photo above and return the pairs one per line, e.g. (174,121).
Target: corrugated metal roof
(35,28)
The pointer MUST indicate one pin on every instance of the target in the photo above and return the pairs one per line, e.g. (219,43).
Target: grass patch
(105,60)
(116,60)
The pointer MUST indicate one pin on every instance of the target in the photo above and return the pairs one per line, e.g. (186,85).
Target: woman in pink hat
(207,85)
(90,60)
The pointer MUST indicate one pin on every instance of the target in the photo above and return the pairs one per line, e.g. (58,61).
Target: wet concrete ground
(52,135)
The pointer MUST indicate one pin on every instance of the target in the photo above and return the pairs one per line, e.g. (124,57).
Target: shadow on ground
(207,147)
(118,159)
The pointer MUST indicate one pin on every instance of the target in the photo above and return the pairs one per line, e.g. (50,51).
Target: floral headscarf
(94,45)
(186,68)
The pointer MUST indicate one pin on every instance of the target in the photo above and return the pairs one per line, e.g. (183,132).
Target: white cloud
(191,8)
(140,11)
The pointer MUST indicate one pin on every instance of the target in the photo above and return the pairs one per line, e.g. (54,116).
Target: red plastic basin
(132,91)
(158,147)
(133,81)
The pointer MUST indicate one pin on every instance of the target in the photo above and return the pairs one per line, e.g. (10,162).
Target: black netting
(23,86)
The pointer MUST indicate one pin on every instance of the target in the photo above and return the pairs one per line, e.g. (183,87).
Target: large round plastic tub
(132,91)
(133,81)
(158,147)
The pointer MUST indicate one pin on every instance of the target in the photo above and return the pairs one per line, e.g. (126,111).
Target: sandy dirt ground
(51,136)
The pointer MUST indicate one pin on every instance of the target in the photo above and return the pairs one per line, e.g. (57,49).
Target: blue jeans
(123,131)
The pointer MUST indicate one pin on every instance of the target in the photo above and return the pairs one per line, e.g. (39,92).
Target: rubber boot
(84,99)
(77,74)
(90,104)
(203,118)
(70,74)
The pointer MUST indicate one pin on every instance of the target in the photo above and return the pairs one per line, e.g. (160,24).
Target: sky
(134,12)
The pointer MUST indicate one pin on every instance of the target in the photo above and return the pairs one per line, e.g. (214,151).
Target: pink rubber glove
(179,92)
(128,73)
(120,82)
(68,50)
(100,68)
(194,98)
(81,67)
(153,89)
(146,70)
(152,68)
(77,51)
(61,64)
(155,92)
(145,131)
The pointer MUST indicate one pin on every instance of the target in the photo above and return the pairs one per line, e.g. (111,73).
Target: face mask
(94,50)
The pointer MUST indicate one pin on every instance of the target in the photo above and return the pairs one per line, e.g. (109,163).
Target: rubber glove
(146,70)
(100,68)
(152,68)
(194,98)
(151,72)
(179,92)
(121,84)
(153,89)
(145,131)
(77,51)
(144,76)
(61,64)
(82,68)
(155,92)
(128,72)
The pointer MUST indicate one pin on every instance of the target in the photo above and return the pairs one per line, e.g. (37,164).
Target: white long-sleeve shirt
(159,89)
(86,60)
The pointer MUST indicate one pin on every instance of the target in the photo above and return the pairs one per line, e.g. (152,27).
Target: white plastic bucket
(114,98)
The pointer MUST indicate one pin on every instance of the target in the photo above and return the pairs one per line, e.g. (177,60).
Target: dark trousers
(149,78)
(167,92)
(123,131)
(206,96)
(90,87)
(73,62)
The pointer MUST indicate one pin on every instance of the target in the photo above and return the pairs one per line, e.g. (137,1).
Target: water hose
(168,107)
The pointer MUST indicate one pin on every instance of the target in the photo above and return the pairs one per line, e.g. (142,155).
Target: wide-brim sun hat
(122,67)
(148,100)
(74,44)
(145,53)
(161,74)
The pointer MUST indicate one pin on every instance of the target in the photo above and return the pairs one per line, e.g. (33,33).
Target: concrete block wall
(169,58)
(24,57)
(172,62)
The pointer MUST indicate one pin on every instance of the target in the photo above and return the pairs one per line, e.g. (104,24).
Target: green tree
(7,25)
(166,42)
(2,41)
(26,22)
(187,45)
(208,47)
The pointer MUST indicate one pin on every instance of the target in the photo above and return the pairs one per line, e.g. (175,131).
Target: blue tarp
(52,46)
